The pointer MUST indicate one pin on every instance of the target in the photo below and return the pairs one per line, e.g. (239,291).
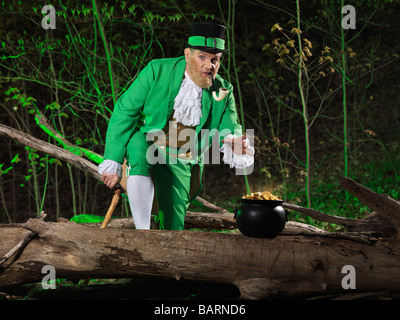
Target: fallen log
(51,149)
(377,225)
(193,220)
(287,266)
(387,208)
(215,222)
(303,260)
(20,245)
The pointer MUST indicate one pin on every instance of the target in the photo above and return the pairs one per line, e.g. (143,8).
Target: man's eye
(202,57)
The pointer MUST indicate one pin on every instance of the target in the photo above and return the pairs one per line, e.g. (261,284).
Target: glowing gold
(265,195)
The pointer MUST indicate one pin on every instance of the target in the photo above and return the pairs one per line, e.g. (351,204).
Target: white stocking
(140,190)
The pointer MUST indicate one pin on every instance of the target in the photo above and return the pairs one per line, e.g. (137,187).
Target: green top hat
(208,37)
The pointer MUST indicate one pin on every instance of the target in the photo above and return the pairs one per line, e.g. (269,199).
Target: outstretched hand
(238,145)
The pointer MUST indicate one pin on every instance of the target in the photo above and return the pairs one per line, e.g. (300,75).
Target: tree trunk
(289,265)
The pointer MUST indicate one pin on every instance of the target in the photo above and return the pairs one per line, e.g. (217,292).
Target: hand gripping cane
(119,188)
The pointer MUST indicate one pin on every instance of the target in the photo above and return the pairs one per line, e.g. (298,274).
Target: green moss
(87,218)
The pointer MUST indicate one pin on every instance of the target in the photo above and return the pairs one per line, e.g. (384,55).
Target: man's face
(200,64)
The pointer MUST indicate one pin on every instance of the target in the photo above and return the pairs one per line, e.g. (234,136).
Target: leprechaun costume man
(170,96)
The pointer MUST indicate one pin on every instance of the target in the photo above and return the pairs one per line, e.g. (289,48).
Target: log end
(258,288)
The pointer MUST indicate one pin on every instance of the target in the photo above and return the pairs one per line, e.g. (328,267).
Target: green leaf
(16,159)
(12,90)
(5,170)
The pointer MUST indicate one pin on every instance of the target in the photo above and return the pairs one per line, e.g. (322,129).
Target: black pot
(260,218)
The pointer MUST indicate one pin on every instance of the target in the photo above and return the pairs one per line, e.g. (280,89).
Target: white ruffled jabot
(188,103)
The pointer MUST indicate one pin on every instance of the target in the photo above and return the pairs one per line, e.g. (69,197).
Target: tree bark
(50,149)
(292,265)
(376,225)
(387,208)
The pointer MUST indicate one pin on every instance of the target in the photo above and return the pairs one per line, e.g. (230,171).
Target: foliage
(73,74)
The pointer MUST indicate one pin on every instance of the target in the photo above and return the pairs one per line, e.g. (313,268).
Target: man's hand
(238,145)
(110,180)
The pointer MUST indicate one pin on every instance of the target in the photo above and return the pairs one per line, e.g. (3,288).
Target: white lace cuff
(110,167)
(238,161)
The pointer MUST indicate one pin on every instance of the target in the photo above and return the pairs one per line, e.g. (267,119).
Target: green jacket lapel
(175,84)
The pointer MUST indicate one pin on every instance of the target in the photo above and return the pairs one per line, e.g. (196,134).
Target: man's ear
(187,53)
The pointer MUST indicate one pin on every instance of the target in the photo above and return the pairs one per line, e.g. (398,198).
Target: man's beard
(196,77)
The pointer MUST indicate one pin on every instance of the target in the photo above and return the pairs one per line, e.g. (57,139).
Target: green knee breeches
(172,179)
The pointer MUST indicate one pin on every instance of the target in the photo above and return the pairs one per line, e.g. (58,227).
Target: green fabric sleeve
(126,114)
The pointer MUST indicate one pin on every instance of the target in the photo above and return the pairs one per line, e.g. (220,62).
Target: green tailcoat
(149,101)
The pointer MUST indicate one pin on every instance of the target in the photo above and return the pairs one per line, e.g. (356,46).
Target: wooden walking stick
(113,205)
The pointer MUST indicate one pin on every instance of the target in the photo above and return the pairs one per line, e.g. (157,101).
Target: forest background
(322,99)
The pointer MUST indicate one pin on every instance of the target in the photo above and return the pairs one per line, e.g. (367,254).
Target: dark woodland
(322,99)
